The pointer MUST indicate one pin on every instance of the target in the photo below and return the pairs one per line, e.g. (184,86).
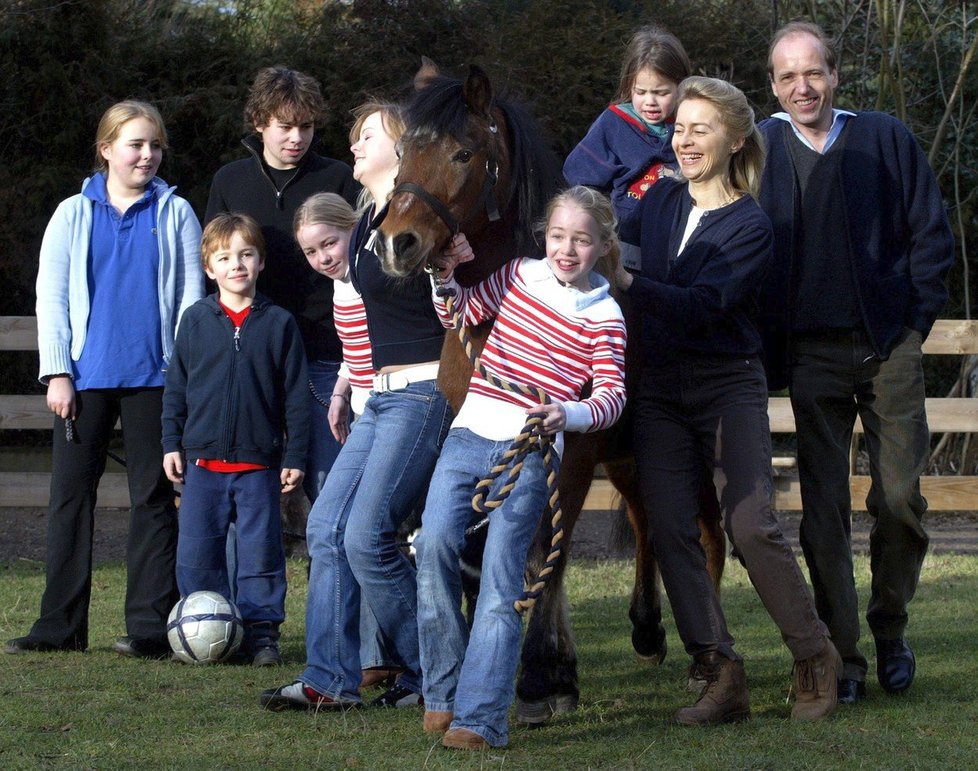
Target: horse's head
(455,169)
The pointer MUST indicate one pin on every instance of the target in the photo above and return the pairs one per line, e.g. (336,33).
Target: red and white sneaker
(298,695)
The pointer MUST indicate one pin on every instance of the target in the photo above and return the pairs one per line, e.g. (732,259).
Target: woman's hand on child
(173,467)
(291,477)
(458,251)
(61,396)
(554,417)
(622,277)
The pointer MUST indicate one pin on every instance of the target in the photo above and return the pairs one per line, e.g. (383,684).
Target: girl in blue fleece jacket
(119,264)
(629,147)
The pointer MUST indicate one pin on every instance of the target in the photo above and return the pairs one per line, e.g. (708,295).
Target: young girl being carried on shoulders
(556,328)
(629,147)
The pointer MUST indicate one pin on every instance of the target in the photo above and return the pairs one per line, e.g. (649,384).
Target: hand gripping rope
(530,439)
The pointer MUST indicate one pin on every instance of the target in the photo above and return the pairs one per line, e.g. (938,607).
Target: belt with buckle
(402,378)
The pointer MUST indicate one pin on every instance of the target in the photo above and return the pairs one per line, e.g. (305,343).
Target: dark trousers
(151,549)
(712,412)
(210,502)
(834,378)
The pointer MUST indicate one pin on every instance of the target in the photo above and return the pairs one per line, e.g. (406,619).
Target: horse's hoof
(654,652)
(539,712)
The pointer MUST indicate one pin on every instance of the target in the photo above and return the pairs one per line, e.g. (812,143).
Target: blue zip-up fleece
(900,241)
(616,151)
(703,301)
(231,396)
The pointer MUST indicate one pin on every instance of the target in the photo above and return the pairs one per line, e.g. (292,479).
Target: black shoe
(33,645)
(141,649)
(895,665)
(851,691)
(398,696)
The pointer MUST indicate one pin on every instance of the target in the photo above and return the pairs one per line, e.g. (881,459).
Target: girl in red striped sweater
(556,328)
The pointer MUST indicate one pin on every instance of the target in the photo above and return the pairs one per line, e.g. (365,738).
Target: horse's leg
(548,675)
(711,530)
(645,612)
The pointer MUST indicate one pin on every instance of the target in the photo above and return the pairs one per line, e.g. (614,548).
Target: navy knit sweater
(702,301)
(897,228)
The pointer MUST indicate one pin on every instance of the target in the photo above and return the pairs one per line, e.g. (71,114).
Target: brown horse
(476,164)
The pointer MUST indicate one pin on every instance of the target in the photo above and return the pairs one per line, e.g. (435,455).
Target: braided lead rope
(529,439)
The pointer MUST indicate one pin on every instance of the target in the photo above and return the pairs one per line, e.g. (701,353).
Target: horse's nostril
(404,244)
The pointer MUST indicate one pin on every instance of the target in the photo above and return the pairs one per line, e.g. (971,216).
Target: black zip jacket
(232,394)
(246,186)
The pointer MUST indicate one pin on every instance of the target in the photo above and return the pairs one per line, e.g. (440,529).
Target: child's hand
(458,251)
(173,467)
(291,478)
(338,416)
(61,396)
(554,417)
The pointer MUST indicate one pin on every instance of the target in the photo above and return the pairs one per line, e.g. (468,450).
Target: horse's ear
(427,73)
(477,91)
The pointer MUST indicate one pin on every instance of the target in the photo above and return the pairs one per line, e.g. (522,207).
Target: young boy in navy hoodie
(236,385)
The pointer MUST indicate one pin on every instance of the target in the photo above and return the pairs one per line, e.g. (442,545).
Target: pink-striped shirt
(546,335)
(350,319)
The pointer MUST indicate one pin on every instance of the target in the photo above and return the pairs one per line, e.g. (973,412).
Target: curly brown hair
(289,95)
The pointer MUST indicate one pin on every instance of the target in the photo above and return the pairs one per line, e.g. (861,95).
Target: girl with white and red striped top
(556,328)
(323,225)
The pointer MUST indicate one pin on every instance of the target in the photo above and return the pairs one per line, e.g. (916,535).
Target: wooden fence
(945,415)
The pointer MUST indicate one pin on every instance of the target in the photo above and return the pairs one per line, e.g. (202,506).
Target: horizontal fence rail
(944,415)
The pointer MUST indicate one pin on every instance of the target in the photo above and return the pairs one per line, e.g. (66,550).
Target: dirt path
(22,534)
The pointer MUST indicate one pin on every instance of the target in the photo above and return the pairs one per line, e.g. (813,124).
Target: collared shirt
(839,118)
(124,346)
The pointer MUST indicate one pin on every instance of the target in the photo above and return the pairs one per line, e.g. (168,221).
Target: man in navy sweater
(862,248)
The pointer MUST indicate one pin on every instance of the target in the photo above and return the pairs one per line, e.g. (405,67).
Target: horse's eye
(463,156)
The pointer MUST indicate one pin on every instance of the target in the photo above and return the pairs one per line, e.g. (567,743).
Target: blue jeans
(250,499)
(323,448)
(377,479)
(473,674)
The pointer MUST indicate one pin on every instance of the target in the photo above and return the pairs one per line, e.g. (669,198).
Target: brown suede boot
(724,699)
(816,683)
(436,722)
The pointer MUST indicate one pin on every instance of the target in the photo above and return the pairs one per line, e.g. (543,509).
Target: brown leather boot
(816,683)
(724,699)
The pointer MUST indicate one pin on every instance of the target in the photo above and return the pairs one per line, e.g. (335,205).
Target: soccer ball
(204,628)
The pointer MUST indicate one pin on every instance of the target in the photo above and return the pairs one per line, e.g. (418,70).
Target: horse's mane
(439,109)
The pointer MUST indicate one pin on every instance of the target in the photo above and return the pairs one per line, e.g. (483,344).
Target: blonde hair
(219,231)
(391,117)
(738,119)
(654,48)
(116,117)
(597,206)
(324,209)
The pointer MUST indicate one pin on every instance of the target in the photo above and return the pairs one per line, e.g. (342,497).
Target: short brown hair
(217,235)
(116,117)
(288,95)
(802,28)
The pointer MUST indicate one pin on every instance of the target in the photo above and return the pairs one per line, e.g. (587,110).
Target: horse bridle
(486,198)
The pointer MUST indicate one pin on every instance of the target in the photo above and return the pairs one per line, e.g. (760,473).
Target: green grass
(100,710)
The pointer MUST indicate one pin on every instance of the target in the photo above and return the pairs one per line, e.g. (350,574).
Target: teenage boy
(283,108)
(235,386)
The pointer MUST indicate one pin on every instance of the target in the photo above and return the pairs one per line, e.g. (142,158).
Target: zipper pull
(237,338)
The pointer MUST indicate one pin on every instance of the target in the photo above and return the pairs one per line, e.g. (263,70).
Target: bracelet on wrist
(344,397)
